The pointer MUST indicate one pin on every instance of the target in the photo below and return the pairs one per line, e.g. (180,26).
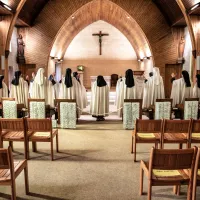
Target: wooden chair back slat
(39,125)
(149,126)
(12,124)
(191,99)
(166,159)
(4,159)
(176,126)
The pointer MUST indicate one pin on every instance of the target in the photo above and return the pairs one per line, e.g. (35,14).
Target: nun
(158,91)
(39,87)
(3,87)
(83,90)
(19,89)
(51,91)
(99,106)
(71,89)
(147,91)
(196,89)
(127,89)
(181,89)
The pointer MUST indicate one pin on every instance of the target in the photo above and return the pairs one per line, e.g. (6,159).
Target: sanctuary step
(112,97)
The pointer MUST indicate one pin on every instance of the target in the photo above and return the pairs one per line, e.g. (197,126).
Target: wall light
(195,6)
(5,6)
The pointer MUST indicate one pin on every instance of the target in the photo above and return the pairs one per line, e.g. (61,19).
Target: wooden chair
(196,175)
(42,131)
(10,170)
(163,101)
(146,131)
(169,167)
(194,136)
(13,130)
(176,131)
(58,101)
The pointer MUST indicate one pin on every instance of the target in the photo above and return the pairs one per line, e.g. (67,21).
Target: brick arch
(101,10)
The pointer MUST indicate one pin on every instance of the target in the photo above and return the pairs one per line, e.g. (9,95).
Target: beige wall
(100,67)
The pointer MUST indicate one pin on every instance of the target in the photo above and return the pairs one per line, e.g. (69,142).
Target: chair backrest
(58,101)
(191,107)
(172,159)
(195,126)
(38,125)
(36,108)
(9,108)
(148,126)
(176,126)
(12,124)
(163,109)
(4,159)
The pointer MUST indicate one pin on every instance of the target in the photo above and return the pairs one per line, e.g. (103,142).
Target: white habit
(99,100)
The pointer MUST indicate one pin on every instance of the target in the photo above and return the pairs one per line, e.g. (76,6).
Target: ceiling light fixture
(5,6)
(73,17)
(195,6)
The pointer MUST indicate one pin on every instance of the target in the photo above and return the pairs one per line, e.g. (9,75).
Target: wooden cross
(100,35)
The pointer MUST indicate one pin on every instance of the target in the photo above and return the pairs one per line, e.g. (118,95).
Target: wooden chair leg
(26,150)
(194,191)
(51,149)
(26,180)
(149,191)
(178,190)
(141,180)
(132,144)
(11,145)
(57,145)
(175,189)
(156,145)
(34,146)
(135,149)
(13,190)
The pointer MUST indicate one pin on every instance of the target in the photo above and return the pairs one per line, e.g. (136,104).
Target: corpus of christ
(100,99)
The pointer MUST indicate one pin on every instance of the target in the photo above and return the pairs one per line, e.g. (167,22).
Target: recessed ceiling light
(195,6)
(128,17)
(73,17)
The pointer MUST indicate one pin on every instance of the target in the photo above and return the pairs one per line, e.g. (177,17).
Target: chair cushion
(196,135)
(166,173)
(146,135)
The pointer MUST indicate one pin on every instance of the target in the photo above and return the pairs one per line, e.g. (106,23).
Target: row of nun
(153,89)
(70,87)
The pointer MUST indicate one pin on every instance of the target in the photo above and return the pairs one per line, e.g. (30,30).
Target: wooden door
(27,69)
(169,69)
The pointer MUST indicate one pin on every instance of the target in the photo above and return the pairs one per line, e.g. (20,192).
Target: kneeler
(163,109)
(132,110)
(191,107)
(68,115)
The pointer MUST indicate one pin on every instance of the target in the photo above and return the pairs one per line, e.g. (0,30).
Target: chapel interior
(134,134)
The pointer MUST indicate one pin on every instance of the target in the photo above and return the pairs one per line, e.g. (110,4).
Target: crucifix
(100,35)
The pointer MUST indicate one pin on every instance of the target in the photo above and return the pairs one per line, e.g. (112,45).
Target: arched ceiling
(101,10)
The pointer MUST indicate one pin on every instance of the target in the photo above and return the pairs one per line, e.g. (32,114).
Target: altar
(94,78)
